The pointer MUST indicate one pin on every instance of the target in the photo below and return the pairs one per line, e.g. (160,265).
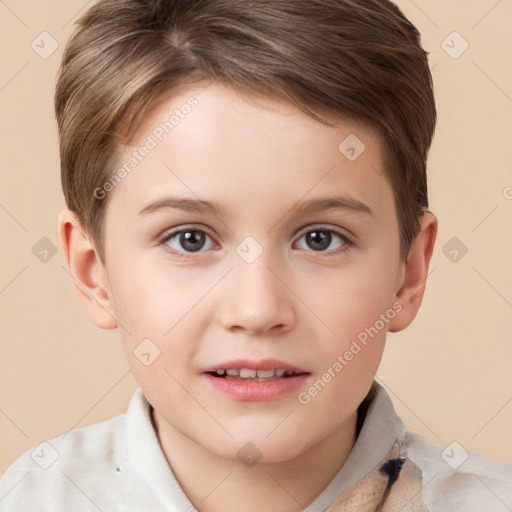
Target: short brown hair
(361,59)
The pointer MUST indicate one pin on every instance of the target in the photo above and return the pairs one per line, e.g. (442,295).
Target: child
(287,140)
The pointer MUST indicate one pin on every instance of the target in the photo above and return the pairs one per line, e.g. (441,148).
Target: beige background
(449,374)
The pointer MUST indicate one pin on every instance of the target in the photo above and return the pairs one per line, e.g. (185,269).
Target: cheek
(158,315)
(349,300)
(355,309)
(346,371)
(155,299)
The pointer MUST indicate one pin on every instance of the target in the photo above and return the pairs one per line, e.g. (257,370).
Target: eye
(320,239)
(186,240)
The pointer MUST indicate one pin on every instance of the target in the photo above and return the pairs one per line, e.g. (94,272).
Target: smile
(249,380)
(248,373)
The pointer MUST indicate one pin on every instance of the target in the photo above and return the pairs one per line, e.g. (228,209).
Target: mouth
(263,370)
(251,374)
(247,380)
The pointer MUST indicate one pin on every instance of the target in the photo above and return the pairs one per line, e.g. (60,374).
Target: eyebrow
(346,203)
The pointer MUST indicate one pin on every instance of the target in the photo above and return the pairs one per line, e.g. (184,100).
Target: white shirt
(118,465)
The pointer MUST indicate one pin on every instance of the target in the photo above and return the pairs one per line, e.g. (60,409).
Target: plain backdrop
(449,374)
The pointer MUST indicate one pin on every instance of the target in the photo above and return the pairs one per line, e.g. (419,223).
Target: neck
(213,483)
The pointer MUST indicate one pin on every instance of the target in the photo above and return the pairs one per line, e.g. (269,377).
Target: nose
(257,298)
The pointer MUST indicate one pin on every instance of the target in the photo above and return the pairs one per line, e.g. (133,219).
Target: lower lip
(257,391)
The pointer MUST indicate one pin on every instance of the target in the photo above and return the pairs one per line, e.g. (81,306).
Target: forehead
(247,152)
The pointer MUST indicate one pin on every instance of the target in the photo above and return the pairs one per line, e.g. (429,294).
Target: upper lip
(262,364)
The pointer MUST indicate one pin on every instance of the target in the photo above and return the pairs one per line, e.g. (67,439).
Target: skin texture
(295,303)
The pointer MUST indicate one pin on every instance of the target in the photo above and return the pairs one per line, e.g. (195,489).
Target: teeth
(247,373)
(265,374)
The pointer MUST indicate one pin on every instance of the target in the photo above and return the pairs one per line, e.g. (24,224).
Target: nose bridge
(255,276)
(257,300)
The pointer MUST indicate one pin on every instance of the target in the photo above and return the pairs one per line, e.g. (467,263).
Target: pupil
(192,240)
(320,240)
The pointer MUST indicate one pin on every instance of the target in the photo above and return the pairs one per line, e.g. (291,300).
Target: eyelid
(335,229)
(172,232)
(184,227)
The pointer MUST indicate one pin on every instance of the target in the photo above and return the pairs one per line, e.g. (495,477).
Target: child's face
(301,303)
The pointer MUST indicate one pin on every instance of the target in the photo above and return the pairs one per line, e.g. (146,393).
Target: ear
(415,273)
(88,274)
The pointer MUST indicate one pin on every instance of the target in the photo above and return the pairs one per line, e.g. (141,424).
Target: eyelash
(347,242)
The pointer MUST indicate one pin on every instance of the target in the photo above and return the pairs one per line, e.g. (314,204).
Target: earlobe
(410,294)
(86,270)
